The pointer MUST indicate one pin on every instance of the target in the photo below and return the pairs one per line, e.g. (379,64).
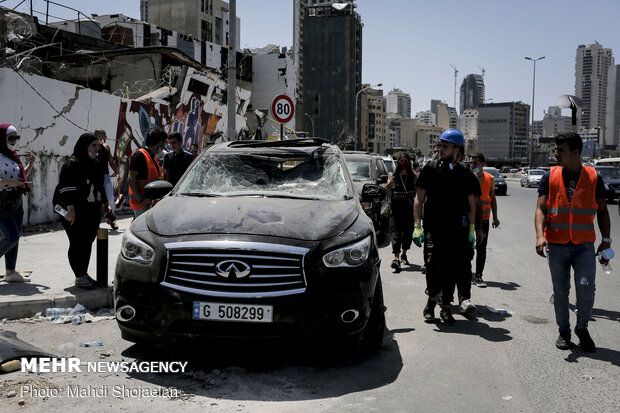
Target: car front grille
(235,269)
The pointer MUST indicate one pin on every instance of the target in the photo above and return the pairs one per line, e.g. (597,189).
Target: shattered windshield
(283,174)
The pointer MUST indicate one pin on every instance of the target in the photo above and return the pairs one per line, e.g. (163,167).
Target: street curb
(93,299)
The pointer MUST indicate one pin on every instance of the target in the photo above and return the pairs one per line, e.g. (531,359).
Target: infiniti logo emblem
(232,269)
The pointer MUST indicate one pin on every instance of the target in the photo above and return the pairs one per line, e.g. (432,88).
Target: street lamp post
(355,129)
(533,94)
(311,122)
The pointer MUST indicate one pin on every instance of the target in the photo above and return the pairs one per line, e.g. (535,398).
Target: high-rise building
(472,92)
(202,19)
(467,123)
(554,123)
(446,116)
(612,123)
(426,117)
(502,130)
(373,125)
(332,68)
(399,102)
(591,71)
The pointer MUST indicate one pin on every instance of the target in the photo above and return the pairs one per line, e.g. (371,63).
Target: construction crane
(456,71)
(482,68)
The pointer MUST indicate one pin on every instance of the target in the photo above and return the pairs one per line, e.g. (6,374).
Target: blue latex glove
(418,234)
(472,235)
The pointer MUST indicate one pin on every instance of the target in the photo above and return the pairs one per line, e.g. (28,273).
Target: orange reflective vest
(485,198)
(572,221)
(154,173)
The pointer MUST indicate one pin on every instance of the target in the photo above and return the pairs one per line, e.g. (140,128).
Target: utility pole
(231,97)
(456,71)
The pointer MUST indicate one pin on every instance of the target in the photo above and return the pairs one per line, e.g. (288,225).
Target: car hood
(614,181)
(300,219)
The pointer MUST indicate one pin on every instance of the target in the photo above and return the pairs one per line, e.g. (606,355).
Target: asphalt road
(487,362)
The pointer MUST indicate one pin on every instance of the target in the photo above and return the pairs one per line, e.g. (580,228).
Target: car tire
(372,335)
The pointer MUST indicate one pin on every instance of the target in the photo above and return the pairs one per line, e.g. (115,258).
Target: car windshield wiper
(199,194)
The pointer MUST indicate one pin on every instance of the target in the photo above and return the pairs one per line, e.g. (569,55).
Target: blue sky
(411,44)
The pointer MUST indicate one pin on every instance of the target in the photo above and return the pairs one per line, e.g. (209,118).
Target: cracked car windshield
(279,174)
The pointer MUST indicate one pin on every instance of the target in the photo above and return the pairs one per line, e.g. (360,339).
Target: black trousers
(81,236)
(481,249)
(445,254)
(401,230)
(463,280)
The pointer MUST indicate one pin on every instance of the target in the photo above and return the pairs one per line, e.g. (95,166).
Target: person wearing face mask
(489,204)
(443,189)
(13,185)
(80,191)
(144,168)
(401,190)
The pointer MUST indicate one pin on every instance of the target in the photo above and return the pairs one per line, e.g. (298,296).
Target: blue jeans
(561,258)
(10,228)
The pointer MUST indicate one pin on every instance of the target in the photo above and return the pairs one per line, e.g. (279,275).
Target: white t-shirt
(8,169)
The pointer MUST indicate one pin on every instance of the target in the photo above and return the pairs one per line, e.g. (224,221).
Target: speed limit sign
(282,108)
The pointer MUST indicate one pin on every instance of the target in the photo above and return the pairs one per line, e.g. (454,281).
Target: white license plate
(233,312)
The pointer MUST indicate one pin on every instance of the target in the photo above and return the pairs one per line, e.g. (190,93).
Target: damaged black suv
(258,239)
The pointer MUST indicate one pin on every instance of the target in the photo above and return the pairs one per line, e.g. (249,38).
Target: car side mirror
(371,192)
(157,189)
(382,179)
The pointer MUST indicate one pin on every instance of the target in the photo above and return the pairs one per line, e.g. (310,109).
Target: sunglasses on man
(14,138)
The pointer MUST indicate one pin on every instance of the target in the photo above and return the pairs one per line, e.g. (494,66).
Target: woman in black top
(401,189)
(80,191)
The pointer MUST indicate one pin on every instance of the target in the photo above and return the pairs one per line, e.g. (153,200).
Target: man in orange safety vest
(570,195)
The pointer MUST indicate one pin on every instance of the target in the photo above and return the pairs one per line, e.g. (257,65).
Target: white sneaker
(467,307)
(16,278)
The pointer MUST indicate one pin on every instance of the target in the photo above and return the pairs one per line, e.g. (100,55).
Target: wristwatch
(607,240)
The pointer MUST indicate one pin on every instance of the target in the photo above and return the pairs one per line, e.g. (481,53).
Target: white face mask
(476,170)
(11,146)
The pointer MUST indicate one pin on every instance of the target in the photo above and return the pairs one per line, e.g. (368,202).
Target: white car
(389,163)
(531,177)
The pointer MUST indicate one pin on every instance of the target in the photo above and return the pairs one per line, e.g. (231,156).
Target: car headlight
(606,187)
(349,256)
(135,250)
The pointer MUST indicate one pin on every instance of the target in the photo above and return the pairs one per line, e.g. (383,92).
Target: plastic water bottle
(78,319)
(91,344)
(54,313)
(607,268)
(60,211)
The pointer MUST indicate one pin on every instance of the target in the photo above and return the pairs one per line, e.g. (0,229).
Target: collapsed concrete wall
(50,115)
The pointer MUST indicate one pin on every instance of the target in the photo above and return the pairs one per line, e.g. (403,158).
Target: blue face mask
(91,155)
(476,170)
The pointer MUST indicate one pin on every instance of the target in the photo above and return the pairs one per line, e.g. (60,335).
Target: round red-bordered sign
(282,108)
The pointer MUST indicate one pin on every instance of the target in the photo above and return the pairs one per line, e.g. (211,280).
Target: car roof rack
(287,143)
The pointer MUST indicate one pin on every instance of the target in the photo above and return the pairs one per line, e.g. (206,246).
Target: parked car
(531,177)
(258,239)
(514,171)
(389,164)
(501,188)
(611,178)
(370,169)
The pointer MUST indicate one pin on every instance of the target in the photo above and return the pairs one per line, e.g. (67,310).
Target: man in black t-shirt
(444,189)
(177,161)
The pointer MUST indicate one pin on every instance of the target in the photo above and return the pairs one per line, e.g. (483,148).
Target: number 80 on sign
(282,108)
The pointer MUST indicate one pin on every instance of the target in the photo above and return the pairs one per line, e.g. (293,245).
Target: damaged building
(65,79)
